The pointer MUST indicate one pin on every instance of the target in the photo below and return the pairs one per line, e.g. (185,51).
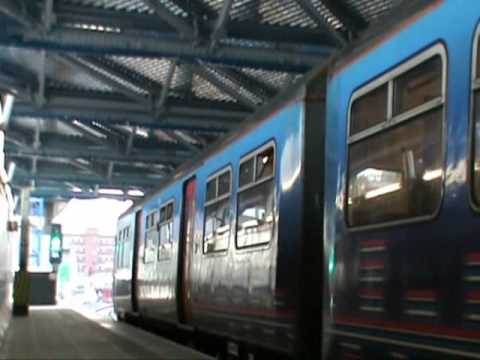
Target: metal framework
(119,93)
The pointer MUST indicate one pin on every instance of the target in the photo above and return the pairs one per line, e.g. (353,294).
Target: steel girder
(282,57)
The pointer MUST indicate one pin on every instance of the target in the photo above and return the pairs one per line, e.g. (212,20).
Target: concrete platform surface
(59,333)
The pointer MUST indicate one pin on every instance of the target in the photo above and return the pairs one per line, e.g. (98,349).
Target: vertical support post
(21,294)
(25,231)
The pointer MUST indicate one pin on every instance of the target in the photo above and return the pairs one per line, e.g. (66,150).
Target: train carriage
(340,221)
(401,215)
(218,247)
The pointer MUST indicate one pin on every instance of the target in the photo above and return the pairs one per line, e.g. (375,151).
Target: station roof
(113,95)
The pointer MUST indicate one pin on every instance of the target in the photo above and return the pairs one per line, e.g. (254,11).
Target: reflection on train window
(165,241)
(476,135)
(246,173)
(224,183)
(217,214)
(255,215)
(396,172)
(151,238)
(369,110)
(211,189)
(265,163)
(255,208)
(418,86)
(122,249)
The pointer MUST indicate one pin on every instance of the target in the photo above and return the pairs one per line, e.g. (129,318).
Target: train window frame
(474,88)
(150,217)
(255,183)
(165,222)
(216,200)
(392,121)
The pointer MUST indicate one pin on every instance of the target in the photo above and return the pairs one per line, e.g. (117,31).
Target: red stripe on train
(420,329)
(421,295)
(372,243)
(372,264)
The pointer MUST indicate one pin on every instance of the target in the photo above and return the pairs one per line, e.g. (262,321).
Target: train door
(136,248)
(186,242)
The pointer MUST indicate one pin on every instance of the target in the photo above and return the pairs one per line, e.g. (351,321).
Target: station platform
(60,333)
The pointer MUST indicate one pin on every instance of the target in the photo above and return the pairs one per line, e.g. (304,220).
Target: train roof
(305,87)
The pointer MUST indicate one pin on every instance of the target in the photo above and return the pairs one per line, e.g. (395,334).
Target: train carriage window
(217,214)
(369,110)
(165,242)
(418,86)
(151,237)
(395,171)
(476,122)
(255,215)
(246,173)
(211,189)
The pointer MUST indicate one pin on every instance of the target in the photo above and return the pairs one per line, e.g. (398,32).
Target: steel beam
(211,76)
(252,30)
(53,174)
(17,10)
(182,118)
(185,29)
(63,152)
(276,57)
(62,192)
(103,75)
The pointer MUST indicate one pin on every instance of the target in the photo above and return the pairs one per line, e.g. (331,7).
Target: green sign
(56,244)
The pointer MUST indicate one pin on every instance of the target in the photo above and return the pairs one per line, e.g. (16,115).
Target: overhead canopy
(118,93)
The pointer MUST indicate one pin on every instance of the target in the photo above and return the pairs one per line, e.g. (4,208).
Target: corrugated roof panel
(273,79)
(327,15)
(125,5)
(153,69)
(205,90)
(372,10)
(283,12)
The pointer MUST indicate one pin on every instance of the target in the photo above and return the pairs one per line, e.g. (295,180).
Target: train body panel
(235,284)
(157,266)
(124,264)
(402,239)
(242,291)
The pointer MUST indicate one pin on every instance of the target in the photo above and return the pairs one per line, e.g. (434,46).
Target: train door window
(476,121)
(151,237)
(217,213)
(165,242)
(126,248)
(117,250)
(255,213)
(395,165)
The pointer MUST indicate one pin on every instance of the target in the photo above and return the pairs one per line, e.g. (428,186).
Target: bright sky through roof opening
(101,214)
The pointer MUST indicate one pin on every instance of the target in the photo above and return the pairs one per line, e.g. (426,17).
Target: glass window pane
(217,226)
(418,86)
(163,214)
(265,164)
(369,110)
(476,149)
(170,211)
(396,174)
(211,189)
(246,173)
(255,215)
(165,241)
(224,183)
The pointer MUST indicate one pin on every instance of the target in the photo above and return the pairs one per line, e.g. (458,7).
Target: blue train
(340,222)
